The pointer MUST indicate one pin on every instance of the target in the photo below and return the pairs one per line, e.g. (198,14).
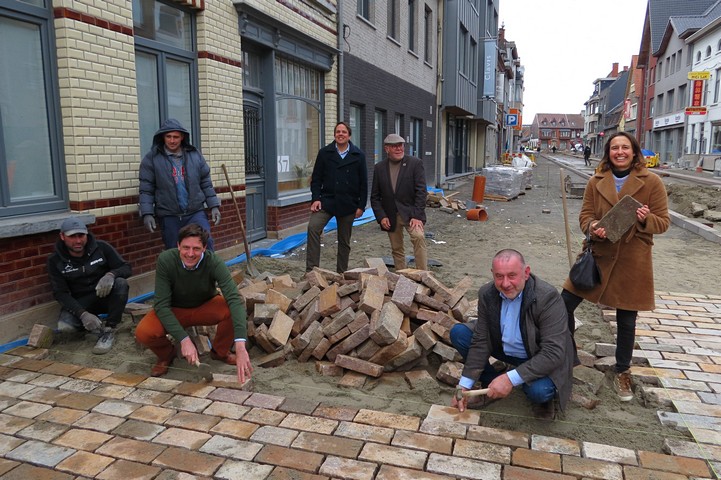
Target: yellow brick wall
(221,92)
(98,103)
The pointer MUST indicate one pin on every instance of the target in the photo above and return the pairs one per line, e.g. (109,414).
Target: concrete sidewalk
(62,421)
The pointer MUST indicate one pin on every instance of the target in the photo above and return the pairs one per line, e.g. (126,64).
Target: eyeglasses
(394,145)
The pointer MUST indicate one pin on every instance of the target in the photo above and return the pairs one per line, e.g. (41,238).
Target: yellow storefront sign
(699,75)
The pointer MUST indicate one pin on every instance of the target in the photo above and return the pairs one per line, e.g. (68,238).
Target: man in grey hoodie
(175,185)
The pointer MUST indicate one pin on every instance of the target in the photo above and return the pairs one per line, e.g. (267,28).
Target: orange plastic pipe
(479,188)
(478,214)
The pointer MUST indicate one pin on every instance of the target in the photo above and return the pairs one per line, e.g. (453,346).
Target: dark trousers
(541,390)
(113,305)
(316,224)
(625,330)
(172,224)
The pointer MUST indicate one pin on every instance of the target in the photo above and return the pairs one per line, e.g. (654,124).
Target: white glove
(91,322)
(149,222)
(102,289)
(215,215)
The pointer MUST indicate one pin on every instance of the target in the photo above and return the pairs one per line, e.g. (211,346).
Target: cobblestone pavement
(62,421)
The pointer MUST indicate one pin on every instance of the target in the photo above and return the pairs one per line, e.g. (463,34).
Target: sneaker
(104,343)
(622,386)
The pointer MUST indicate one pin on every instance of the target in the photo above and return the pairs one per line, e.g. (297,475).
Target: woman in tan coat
(626,265)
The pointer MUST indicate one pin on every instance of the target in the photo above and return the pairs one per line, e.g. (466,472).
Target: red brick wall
(23,272)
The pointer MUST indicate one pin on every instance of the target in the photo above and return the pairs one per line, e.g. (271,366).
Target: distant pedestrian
(339,188)
(398,198)
(175,185)
(553,149)
(587,156)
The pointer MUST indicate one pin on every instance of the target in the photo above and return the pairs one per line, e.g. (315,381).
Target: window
(716,139)
(565,134)
(472,69)
(365,9)
(651,105)
(394,19)
(545,133)
(415,146)
(669,101)
(678,61)
(668,64)
(298,122)
(462,52)
(689,54)
(698,56)
(378,129)
(165,68)
(716,85)
(659,68)
(681,100)
(708,51)
(660,104)
(356,113)
(428,36)
(412,22)
(673,63)
(398,124)
(30,158)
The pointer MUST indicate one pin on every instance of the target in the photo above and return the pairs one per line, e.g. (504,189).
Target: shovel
(204,371)
(252,271)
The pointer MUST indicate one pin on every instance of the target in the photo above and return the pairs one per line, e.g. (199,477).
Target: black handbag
(584,274)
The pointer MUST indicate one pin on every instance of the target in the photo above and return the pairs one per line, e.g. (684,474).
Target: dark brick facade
(371,88)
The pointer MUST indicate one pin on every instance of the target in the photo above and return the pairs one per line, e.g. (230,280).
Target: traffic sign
(511,120)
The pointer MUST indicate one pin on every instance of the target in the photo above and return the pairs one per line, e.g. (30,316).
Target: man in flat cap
(398,199)
(88,278)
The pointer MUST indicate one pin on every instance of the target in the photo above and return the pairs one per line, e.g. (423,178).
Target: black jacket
(75,277)
(341,184)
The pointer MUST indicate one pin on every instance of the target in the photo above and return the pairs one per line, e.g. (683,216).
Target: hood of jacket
(170,125)
(62,250)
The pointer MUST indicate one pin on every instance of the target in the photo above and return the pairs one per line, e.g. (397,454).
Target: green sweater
(176,287)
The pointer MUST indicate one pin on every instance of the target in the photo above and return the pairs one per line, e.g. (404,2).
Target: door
(254,171)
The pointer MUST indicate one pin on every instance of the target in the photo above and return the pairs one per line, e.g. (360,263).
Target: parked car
(650,157)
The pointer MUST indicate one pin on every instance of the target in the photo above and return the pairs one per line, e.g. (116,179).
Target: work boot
(622,386)
(544,411)
(105,342)
(161,367)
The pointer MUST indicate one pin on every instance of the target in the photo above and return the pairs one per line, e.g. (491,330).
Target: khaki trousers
(418,239)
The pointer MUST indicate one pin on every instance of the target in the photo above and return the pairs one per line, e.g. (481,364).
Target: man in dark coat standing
(398,198)
(339,188)
(587,156)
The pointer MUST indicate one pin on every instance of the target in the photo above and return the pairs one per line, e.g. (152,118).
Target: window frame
(164,52)
(428,35)
(42,17)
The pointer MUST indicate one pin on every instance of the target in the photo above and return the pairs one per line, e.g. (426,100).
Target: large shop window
(298,114)
(31,169)
(165,68)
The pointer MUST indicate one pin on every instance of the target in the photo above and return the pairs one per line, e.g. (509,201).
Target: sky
(565,45)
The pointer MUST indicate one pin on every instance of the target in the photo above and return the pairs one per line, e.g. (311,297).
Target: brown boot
(161,367)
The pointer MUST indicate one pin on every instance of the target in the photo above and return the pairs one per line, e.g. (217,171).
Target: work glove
(215,215)
(149,222)
(91,322)
(102,289)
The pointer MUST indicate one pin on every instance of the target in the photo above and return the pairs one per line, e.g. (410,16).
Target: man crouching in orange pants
(186,296)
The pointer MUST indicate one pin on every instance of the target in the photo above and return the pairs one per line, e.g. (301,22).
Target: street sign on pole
(511,120)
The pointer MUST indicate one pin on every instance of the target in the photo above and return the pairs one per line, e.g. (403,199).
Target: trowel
(204,371)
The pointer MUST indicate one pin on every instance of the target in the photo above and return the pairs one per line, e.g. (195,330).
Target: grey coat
(544,330)
(157,188)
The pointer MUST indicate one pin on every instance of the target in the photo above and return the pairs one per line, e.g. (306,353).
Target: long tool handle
(240,218)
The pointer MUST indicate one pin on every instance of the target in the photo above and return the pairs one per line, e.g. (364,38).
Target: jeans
(418,239)
(171,225)
(113,305)
(316,224)
(625,334)
(541,390)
